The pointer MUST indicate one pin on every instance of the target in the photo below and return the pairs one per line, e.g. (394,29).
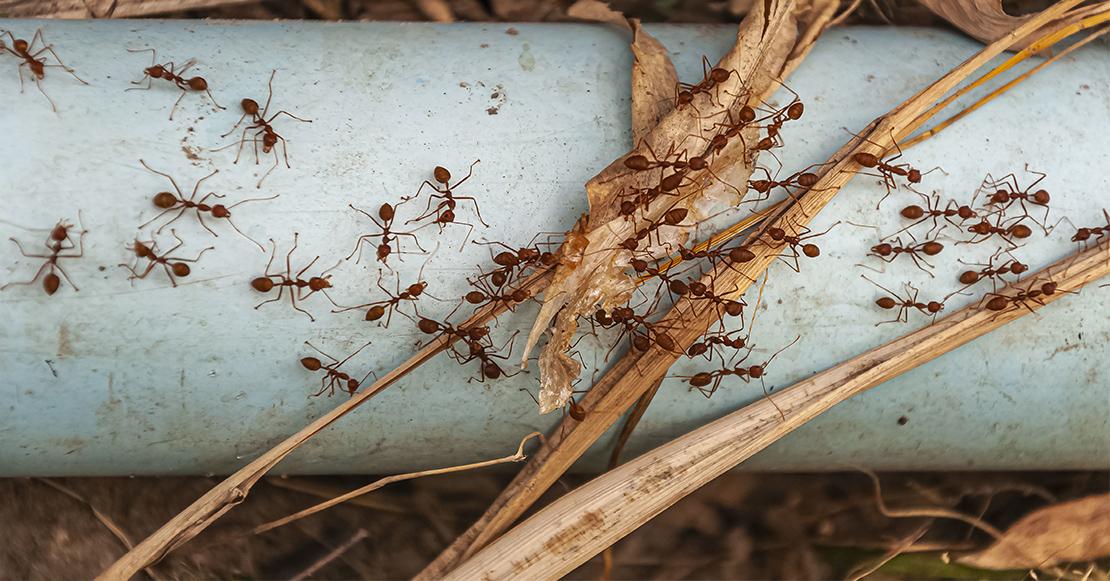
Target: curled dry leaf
(986,21)
(1071,531)
(598,275)
(653,81)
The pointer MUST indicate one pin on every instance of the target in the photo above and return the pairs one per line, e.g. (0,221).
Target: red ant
(1005,195)
(888,252)
(700,380)
(169,203)
(1001,302)
(445,210)
(930,308)
(22,49)
(791,112)
(474,337)
(672,217)
(1083,235)
(264,284)
(986,229)
(733,128)
(632,324)
(488,295)
(378,309)
(514,258)
(706,345)
(259,122)
(887,170)
(332,375)
(173,266)
(699,290)
(809,249)
(387,213)
(166,72)
(971,277)
(490,368)
(932,210)
(713,76)
(56,244)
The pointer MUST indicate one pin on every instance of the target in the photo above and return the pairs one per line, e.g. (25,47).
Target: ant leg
(269,96)
(293,116)
(175,103)
(264,176)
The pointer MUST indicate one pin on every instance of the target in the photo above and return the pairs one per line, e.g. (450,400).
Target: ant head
(198,84)
(684,98)
(965,212)
(756,371)
(50,283)
(180,269)
(934,307)
(60,232)
(311,363)
(446,216)
(383,251)
(154,71)
(141,250)
(1018,268)
(914,176)
(477,333)
(250,107)
(317,283)
(734,308)
(165,200)
(777,234)
(442,175)
(416,289)
(883,249)
(548,259)
(220,211)
(37,68)
(375,312)
(698,288)
(352,386)
(627,208)
(602,318)
(268,142)
(260,284)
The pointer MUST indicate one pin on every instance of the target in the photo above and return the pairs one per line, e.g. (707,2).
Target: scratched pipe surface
(149,379)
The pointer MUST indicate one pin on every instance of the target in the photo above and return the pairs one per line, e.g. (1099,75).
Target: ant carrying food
(332,375)
(173,266)
(387,213)
(22,49)
(265,284)
(168,202)
(265,130)
(445,210)
(931,308)
(166,72)
(56,244)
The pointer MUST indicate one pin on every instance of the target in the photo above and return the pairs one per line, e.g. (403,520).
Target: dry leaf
(1072,531)
(598,275)
(599,12)
(986,21)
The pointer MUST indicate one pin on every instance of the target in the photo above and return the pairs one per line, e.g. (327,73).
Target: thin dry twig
(361,534)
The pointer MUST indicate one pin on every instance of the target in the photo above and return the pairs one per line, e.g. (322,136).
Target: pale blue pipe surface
(150,379)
